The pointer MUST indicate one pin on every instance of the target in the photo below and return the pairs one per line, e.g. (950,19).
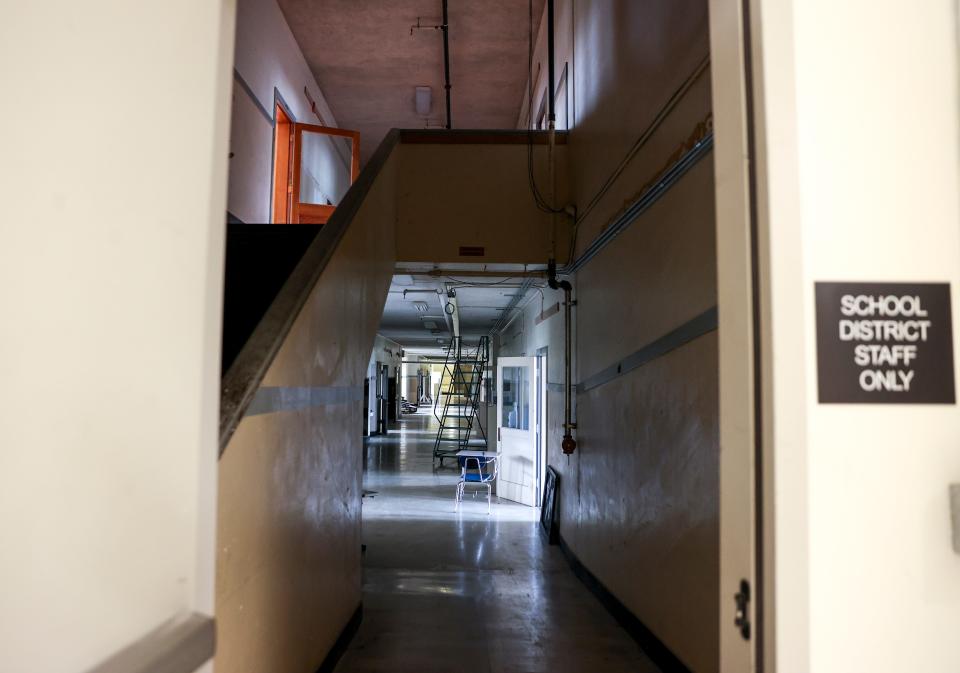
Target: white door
(516,430)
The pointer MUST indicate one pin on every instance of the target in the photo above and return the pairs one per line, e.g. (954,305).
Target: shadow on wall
(259,259)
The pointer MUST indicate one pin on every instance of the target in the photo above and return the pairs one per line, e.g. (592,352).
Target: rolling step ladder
(458,401)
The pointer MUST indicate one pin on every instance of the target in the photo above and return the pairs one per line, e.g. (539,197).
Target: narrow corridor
(467,592)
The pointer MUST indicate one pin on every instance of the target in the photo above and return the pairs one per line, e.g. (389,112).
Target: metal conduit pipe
(569,444)
(446,60)
(551,67)
(551,126)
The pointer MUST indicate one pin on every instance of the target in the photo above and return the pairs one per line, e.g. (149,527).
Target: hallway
(467,592)
(693,265)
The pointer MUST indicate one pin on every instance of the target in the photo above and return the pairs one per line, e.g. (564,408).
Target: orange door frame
(282,164)
(312,213)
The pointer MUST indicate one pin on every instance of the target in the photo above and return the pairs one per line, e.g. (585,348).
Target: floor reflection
(467,591)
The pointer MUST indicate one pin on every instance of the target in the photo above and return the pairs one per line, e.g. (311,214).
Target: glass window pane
(324,168)
(516,398)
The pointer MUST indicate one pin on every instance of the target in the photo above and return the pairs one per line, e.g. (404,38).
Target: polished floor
(467,592)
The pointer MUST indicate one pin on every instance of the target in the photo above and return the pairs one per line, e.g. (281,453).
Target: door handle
(741,615)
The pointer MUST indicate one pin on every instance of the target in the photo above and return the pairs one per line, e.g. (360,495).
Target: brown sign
(884,343)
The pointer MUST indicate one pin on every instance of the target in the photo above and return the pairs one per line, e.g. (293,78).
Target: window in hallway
(319,176)
(515,413)
(313,168)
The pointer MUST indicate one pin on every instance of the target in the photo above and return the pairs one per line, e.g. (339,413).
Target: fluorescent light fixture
(423,100)
(429,324)
(421,306)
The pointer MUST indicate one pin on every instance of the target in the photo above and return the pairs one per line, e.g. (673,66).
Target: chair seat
(476,478)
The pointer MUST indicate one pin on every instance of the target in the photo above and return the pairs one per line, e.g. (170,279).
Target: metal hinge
(742,616)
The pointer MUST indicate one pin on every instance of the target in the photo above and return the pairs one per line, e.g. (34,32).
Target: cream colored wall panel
(289,572)
(659,273)
(289,520)
(113,181)
(251,148)
(639,499)
(648,526)
(630,57)
(859,165)
(474,195)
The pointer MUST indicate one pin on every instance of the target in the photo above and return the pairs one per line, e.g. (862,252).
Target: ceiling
(367,62)
(414,314)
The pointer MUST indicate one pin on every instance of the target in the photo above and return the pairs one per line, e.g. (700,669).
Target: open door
(746,617)
(315,186)
(516,429)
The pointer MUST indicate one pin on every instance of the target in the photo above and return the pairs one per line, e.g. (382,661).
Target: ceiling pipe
(551,124)
(442,273)
(451,313)
(446,60)
(551,66)
(419,291)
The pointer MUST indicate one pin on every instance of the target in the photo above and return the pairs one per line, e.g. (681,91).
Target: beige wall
(288,564)
(454,195)
(110,287)
(639,499)
(859,167)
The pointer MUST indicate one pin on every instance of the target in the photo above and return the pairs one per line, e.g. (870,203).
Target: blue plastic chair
(474,470)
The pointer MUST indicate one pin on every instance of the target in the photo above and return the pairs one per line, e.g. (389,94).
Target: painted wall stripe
(271,399)
(642,204)
(253,97)
(703,324)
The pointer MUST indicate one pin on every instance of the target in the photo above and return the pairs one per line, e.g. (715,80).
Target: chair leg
(489,491)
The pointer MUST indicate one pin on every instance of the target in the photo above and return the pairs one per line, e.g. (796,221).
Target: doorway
(308,176)
(518,421)
(541,417)
(383,373)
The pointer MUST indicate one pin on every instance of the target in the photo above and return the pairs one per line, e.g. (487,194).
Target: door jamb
(285,155)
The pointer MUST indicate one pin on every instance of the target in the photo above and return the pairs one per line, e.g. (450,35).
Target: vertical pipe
(551,66)
(569,444)
(567,357)
(551,126)
(446,60)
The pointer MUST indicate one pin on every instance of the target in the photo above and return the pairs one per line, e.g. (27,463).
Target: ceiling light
(422,100)
(429,324)
(421,306)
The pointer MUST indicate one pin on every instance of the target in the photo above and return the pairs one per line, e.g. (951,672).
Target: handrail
(243,378)
(180,645)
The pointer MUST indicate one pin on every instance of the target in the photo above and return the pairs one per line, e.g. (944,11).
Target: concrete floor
(467,592)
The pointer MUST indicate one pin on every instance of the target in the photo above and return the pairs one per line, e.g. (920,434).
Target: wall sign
(884,343)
